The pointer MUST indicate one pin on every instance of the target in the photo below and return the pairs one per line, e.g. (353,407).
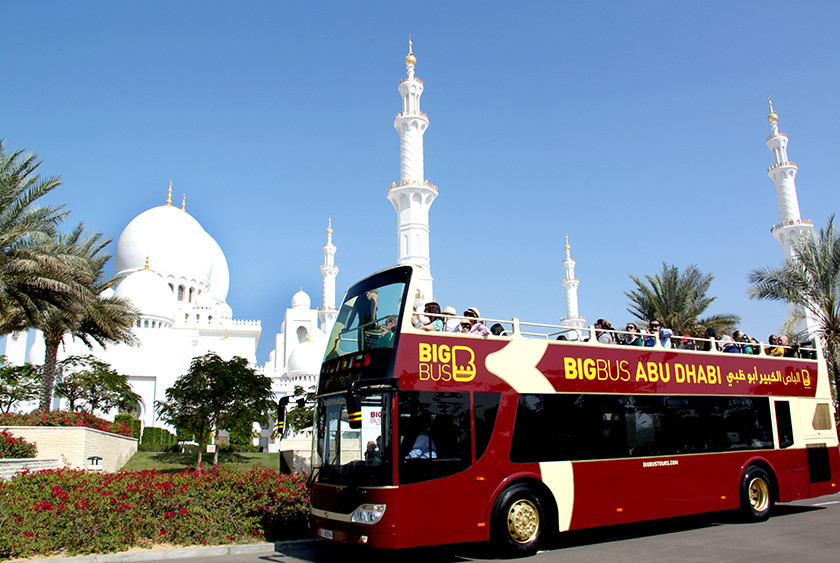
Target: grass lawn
(175,462)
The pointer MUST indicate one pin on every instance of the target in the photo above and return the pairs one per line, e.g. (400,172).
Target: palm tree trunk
(48,377)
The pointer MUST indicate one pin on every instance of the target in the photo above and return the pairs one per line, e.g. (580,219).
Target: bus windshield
(346,456)
(370,315)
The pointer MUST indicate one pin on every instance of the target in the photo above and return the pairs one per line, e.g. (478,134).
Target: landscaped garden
(69,512)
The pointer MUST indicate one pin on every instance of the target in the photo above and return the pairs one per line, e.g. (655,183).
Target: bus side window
(486,406)
(784,426)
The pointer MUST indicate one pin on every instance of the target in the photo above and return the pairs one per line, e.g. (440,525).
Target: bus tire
(756,494)
(518,520)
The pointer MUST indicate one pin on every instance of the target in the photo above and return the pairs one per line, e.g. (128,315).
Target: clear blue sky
(638,128)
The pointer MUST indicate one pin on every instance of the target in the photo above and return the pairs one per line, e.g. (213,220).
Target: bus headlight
(368,513)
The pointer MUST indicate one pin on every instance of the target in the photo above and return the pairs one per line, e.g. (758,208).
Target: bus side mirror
(354,406)
(281,415)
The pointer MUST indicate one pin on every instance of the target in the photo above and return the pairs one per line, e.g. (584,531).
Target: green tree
(18,384)
(810,278)
(216,395)
(32,274)
(95,384)
(300,415)
(88,317)
(677,300)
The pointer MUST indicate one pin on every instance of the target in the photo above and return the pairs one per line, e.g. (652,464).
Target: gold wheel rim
(523,521)
(759,494)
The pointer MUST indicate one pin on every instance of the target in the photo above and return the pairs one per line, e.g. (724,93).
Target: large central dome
(175,245)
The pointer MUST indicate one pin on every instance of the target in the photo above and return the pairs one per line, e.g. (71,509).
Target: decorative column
(792,227)
(413,194)
(329,271)
(570,285)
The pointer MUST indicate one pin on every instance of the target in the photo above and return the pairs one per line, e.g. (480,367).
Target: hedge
(68,511)
(12,447)
(158,436)
(131,421)
(64,418)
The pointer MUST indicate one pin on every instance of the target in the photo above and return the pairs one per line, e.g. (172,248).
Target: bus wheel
(518,520)
(756,494)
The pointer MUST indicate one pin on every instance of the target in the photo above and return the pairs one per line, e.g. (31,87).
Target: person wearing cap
(471,316)
(451,322)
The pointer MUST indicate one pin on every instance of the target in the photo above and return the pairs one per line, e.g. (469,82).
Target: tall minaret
(328,312)
(792,227)
(413,195)
(570,285)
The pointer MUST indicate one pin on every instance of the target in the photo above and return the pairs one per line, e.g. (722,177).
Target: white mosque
(177,276)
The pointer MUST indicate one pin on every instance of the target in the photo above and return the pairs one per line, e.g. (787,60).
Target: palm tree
(89,317)
(30,275)
(810,278)
(677,300)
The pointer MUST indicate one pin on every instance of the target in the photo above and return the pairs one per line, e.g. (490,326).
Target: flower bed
(78,512)
(12,447)
(63,418)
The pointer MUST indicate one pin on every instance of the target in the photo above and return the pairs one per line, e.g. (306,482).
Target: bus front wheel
(756,494)
(518,520)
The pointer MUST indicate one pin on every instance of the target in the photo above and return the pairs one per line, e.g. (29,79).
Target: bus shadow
(333,553)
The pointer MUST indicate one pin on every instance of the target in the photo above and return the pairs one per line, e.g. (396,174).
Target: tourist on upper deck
(632,336)
(450,323)
(435,323)
(710,335)
(774,349)
(497,329)
(728,345)
(791,351)
(652,330)
(748,344)
(476,327)
(687,342)
(601,328)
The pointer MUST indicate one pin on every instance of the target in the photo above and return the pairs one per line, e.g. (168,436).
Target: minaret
(328,312)
(413,194)
(792,227)
(570,285)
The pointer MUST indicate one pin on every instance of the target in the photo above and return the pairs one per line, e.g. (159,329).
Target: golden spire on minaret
(169,195)
(184,203)
(410,59)
(146,267)
(567,242)
(329,227)
(772,118)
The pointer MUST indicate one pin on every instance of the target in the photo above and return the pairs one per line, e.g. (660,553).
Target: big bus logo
(441,362)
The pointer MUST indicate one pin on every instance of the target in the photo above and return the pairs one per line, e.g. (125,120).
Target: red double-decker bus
(433,437)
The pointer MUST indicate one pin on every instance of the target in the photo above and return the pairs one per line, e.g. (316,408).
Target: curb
(177,553)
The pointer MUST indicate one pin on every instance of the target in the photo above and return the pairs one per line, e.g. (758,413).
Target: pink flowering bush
(72,511)
(63,418)
(12,447)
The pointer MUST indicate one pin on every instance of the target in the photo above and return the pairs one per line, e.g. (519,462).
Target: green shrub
(63,418)
(134,423)
(13,447)
(159,436)
(82,512)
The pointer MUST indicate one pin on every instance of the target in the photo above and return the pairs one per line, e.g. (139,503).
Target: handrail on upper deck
(555,330)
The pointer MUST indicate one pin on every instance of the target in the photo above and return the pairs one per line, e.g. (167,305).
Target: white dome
(305,359)
(173,241)
(300,300)
(149,293)
(220,276)
(106,293)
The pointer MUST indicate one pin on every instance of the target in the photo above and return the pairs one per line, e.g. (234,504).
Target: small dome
(171,239)
(301,300)
(305,359)
(149,293)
